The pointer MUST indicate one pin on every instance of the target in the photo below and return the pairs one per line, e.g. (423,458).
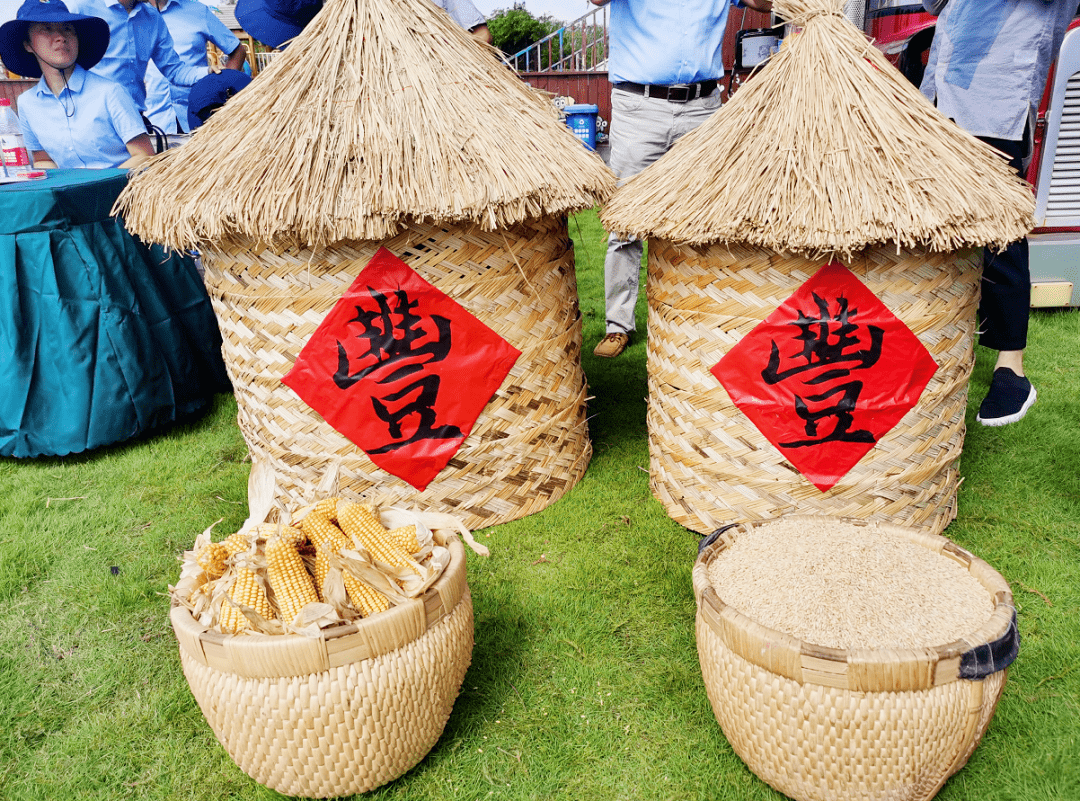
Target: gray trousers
(642,130)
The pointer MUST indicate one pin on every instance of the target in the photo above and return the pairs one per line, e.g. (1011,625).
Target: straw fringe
(379,113)
(827,151)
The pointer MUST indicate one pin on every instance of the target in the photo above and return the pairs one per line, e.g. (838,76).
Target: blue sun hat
(211,93)
(93,33)
(274,22)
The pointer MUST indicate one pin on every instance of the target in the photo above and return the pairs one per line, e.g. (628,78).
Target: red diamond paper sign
(827,374)
(401,369)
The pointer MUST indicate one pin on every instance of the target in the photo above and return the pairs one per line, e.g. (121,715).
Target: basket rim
(992,647)
(285,655)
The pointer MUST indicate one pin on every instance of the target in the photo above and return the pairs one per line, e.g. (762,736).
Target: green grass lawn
(584,682)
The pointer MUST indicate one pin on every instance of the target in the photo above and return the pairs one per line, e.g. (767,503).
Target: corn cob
(405,537)
(212,559)
(204,592)
(360,523)
(214,556)
(322,567)
(246,590)
(294,535)
(322,532)
(288,577)
(326,507)
(365,598)
(328,539)
(235,543)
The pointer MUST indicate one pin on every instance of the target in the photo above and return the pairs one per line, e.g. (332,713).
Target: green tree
(514,29)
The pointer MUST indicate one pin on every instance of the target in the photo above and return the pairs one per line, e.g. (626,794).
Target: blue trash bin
(581,120)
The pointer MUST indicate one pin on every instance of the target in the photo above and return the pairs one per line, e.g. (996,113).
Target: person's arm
(482,33)
(43,161)
(236,58)
(164,54)
(757,5)
(225,41)
(468,16)
(140,148)
(128,125)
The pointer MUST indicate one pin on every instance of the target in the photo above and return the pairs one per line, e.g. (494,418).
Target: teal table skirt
(101,336)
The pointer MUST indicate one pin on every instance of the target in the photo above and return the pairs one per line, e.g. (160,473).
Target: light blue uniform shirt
(191,25)
(464,13)
(102,121)
(134,40)
(665,42)
(989,61)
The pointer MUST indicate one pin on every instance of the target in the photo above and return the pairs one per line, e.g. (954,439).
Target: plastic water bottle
(15,156)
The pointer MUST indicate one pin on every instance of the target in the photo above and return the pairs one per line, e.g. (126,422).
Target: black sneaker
(1008,400)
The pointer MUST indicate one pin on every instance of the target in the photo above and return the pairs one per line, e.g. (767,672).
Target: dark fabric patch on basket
(982,660)
(711,538)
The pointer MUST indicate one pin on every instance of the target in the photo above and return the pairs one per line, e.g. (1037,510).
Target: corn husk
(826,151)
(381,112)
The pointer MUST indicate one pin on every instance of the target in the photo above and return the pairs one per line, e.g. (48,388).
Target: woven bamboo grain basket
(825,724)
(343,713)
(710,465)
(528,447)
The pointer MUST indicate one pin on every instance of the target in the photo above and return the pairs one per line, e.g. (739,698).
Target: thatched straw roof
(380,112)
(827,150)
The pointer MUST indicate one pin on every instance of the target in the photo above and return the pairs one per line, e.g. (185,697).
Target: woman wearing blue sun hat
(71,118)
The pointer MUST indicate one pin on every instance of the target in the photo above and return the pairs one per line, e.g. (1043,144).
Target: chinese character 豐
(830,351)
(400,346)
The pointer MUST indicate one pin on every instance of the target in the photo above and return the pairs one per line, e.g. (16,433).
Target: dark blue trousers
(1006,281)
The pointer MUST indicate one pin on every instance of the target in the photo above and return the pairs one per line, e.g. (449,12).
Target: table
(102,337)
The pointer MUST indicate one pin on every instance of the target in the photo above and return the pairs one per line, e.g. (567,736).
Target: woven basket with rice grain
(892,719)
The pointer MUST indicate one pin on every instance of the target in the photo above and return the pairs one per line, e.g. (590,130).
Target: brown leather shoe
(612,345)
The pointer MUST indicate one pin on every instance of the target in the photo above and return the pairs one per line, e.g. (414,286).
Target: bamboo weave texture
(343,714)
(711,466)
(822,724)
(529,445)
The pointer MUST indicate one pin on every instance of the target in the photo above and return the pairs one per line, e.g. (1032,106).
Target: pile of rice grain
(847,586)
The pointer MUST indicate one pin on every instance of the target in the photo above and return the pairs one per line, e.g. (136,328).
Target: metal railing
(262,60)
(581,45)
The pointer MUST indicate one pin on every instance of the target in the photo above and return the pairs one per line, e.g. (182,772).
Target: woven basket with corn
(299,639)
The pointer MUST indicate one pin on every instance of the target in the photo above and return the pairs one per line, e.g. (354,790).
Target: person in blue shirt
(137,36)
(664,64)
(468,16)
(71,118)
(275,22)
(986,71)
(192,26)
